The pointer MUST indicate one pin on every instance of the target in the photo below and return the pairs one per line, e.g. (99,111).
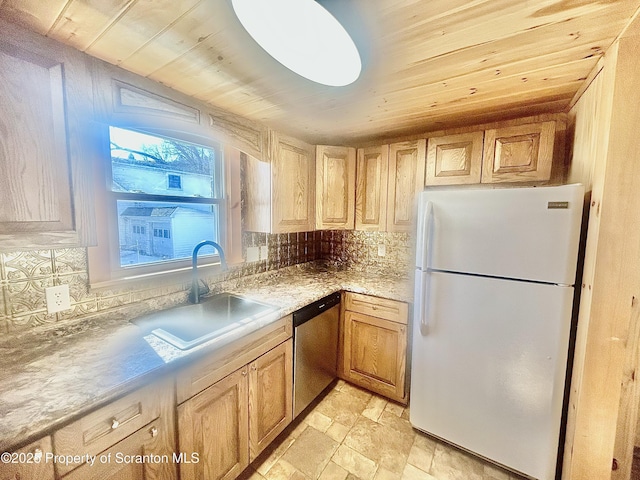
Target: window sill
(176,276)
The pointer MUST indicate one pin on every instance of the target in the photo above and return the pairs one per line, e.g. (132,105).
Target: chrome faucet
(194,295)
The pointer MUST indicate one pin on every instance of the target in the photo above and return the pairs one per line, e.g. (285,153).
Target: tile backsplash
(374,252)
(25,274)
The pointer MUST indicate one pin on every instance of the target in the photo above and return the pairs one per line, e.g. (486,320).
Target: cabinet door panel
(335,176)
(519,154)
(371,188)
(38,470)
(406,180)
(46,145)
(34,165)
(215,425)
(270,396)
(293,184)
(375,354)
(454,159)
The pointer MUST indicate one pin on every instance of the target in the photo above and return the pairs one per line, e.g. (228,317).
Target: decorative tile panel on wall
(25,275)
(358,250)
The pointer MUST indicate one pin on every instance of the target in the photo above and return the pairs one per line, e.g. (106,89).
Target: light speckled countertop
(52,377)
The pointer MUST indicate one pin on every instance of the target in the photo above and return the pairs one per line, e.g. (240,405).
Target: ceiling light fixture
(304,37)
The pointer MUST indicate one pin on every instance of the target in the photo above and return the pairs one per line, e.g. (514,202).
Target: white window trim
(104,258)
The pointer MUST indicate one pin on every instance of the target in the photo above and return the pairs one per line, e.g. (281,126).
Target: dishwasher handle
(316,308)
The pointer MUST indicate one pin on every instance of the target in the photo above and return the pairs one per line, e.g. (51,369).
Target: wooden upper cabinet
(519,154)
(454,159)
(335,187)
(406,180)
(46,92)
(293,186)
(280,189)
(372,173)
(35,160)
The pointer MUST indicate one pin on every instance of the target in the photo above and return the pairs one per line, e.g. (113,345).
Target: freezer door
(526,233)
(488,367)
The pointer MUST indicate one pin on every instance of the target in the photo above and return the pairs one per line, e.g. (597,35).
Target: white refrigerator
(495,269)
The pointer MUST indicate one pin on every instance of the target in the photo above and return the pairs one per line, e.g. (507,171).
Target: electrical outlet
(253,254)
(264,252)
(382,250)
(57,298)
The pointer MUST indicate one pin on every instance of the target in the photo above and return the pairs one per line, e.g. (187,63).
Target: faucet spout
(194,295)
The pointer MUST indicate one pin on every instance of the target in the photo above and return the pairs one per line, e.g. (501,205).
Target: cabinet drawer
(154,442)
(103,428)
(229,358)
(377,307)
(30,462)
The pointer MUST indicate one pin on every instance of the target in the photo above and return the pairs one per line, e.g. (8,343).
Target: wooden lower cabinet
(229,423)
(215,425)
(270,396)
(105,427)
(145,455)
(374,349)
(29,463)
(132,437)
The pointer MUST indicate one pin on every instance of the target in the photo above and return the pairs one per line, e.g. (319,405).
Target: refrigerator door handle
(424,302)
(426,236)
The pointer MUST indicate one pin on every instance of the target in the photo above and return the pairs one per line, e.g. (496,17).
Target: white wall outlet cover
(382,250)
(253,254)
(264,252)
(57,298)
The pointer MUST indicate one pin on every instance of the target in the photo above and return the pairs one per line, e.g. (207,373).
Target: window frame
(104,266)
(179,177)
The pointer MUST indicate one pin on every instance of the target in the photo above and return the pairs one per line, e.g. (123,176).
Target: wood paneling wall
(604,393)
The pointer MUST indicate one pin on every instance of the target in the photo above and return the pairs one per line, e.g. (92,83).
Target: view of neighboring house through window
(168,196)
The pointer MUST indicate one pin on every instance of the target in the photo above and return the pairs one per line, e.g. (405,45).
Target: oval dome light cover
(304,37)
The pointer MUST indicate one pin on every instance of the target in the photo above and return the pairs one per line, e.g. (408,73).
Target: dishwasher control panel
(315,308)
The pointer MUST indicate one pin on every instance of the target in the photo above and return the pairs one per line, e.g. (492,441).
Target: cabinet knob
(114,424)
(375,307)
(154,432)
(37,453)
(244,373)
(253,367)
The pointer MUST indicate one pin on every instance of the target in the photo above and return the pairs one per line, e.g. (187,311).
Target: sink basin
(186,326)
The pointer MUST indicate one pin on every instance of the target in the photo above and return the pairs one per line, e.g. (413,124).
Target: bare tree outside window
(171,190)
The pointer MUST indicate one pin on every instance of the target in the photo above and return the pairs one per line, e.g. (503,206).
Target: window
(170,187)
(174,181)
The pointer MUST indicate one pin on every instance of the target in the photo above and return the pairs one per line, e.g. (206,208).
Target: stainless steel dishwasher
(315,340)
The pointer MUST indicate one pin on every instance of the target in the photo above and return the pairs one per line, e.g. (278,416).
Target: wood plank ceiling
(428,64)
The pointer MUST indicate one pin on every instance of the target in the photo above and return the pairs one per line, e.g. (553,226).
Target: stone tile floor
(352,434)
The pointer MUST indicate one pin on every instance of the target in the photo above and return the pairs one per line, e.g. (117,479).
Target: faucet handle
(203,288)
(198,288)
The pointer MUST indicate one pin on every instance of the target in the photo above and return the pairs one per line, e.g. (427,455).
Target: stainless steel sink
(189,325)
